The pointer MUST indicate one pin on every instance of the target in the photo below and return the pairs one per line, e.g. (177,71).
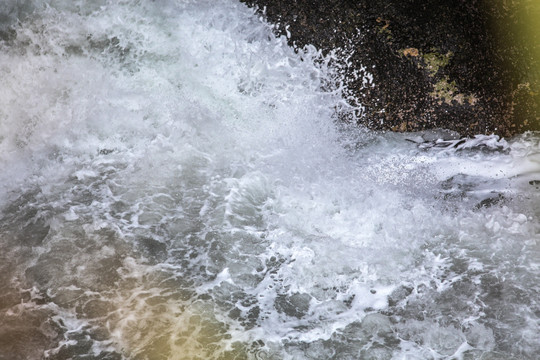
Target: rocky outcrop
(466,65)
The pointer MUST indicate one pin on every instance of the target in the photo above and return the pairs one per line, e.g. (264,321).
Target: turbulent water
(175,184)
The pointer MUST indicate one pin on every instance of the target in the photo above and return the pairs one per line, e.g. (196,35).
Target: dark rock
(495,199)
(467,65)
(475,189)
(296,305)
(535,183)
(399,294)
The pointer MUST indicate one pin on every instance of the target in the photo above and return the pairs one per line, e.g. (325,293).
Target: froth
(175,185)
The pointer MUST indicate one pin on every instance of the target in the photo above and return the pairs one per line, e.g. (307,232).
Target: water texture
(175,185)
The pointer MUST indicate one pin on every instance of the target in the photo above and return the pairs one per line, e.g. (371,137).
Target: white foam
(187,130)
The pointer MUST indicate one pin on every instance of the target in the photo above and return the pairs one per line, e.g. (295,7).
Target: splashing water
(175,186)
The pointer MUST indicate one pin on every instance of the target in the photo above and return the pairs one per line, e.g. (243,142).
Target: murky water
(175,185)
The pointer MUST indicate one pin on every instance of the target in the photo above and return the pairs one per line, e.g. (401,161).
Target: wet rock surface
(468,66)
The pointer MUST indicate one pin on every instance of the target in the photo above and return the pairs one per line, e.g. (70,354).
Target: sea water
(176,184)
